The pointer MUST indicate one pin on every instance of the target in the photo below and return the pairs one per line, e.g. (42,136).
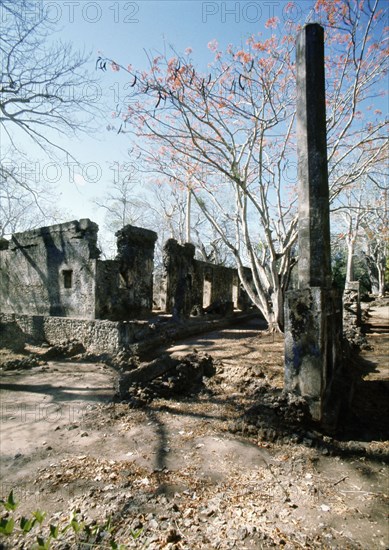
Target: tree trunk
(274,323)
(277,299)
(381,278)
(350,261)
(187,219)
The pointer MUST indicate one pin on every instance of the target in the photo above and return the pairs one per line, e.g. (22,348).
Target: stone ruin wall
(189,283)
(55,288)
(124,286)
(352,315)
(56,271)
(181,282)
(97,336)
(50,271)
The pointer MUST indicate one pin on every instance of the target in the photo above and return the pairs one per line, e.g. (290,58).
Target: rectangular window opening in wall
(67,278)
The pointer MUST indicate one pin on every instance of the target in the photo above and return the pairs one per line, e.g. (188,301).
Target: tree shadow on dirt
(60,393)
(268,415)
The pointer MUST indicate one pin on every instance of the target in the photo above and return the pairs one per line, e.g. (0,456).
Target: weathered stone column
(312,313)
(179,277)
(314,264)
(352,314)
(135,257)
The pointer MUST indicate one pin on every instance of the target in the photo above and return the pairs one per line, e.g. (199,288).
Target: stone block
(313,347)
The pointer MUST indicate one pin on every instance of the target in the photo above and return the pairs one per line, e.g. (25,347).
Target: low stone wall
(97,336)
(109,337)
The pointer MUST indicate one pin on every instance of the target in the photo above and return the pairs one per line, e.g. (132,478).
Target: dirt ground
(234,464)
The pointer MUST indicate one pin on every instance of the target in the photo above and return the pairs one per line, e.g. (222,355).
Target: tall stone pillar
(313,312)
(314,266)
(179,278)
(135,257)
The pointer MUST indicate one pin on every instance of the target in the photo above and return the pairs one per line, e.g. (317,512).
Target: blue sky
(129,27)
(122,31)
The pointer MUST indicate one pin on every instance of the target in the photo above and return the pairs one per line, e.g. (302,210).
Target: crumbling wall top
(83,229)
(130,234)
(173,249)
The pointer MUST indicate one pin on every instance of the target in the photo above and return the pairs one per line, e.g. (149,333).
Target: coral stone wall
(124,286)
(97,336)
(55,271)
(188,282)
(50,271)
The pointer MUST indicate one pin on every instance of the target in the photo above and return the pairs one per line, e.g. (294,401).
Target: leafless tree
(46,93)
(361,217)
(229,136)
